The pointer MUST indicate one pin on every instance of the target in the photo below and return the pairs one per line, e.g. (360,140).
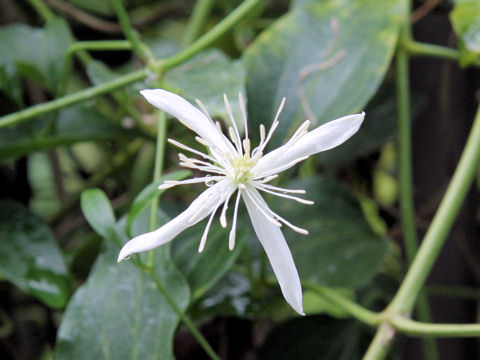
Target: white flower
(232,166)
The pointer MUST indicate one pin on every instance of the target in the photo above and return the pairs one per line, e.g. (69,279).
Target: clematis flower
(234,170)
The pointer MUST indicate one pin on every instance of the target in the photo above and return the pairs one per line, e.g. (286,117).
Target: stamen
(204,109)
(231,236)
(201,141)
(171,183)
(235,140)
(250,194)
(246,146)
(278,217)
(279,194)
(203,240)
(185,147)
(283,190)
(243,109)
(234,123)
(223,218)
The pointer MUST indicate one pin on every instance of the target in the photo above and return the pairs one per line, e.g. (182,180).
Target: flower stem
(217,31)
(415,328)
(441,223)
(157,172)
(197,20)
(42,9)
(407,208)
(416,48)
(140,48)
(188,323)
(352,308)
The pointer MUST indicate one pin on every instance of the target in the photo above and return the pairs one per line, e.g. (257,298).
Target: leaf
(99,213)
(205,269)
(207,77)
(307,337)
(465,18)
(148,194)
(119,313)
(73,125)
(326,57)
(341,249)
(30,257)
(33,52)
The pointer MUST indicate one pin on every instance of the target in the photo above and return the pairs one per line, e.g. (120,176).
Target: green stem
(381,343)
(441,223)
(42,9)
(407,208)
(415,328)
(360,313)
(416,48)
(197,20)
(81,46)
(201,340)
(140,48)
(87,94)
(464,292)
(157,172)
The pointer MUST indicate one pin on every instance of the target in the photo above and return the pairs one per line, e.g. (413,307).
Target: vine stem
(197,20)
(416,48)
(162,65)
(140,48)
(407,208)
(188,323)
(433,241)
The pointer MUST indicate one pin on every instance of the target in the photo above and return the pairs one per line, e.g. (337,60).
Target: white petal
(205,203)
(277,251)
(324,137)
(188,115)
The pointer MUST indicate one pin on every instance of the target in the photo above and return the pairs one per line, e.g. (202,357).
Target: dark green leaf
(33,52)
(326,57)
(341,249)
(99,213)
(148,194)
(203,270)
(465,19)
(119,313)
(29,256)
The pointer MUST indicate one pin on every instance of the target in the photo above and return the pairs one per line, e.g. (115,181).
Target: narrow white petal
(207,202)
(189,116)
(322,138)
(278,253)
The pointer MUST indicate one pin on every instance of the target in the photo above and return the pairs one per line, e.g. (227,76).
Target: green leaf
(308,337)
(29,255)
(465,18)
(341,249)
(326,57)
(207,77)
(205,269)
(76,124)
(99,213)
(119,313)
(148,194)
(33,52)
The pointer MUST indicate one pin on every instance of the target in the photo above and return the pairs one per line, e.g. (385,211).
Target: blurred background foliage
(62,293)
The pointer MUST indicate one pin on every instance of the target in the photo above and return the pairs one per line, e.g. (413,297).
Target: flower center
(242,168)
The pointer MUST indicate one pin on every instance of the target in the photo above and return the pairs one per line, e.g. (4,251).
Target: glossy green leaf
(30,257)
(314,337)
(465,18)
(98,211)
(207,77)
(145,197)
(203,270)
(327,58)
(119,313)
(36,53)
(74,125)
(341,249)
